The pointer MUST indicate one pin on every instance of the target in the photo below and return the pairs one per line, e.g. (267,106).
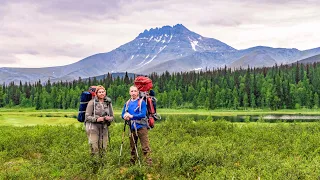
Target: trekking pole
(124,129)
(109,138)
(135,144)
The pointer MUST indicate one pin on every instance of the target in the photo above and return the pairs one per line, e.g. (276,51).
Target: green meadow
(51,144)
(30,116)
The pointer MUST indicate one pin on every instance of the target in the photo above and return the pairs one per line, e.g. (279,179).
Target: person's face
(101,93)
(134,92)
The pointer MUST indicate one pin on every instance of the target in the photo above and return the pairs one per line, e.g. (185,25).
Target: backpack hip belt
(143,121)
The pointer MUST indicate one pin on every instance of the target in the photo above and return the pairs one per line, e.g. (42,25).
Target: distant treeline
(278,87)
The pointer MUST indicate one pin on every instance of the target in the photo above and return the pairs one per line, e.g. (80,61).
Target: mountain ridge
(169,48)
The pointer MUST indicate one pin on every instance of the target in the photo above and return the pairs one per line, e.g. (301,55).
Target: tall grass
(181,149)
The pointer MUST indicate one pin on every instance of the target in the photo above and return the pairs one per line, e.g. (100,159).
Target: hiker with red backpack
(98,116)
(134,113)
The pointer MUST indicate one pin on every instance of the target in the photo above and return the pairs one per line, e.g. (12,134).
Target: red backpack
(92,90)
(144,85)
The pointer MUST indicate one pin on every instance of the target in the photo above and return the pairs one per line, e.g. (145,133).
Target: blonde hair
(100,87)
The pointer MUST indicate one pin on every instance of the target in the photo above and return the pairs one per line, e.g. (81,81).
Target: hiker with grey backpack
(98,116)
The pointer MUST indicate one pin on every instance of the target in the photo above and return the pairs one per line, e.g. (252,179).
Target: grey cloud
(70,9)
(278,2)
(15,33)
(80,9)
(100,9)
(71,50)
(3,11)
(260,12)
(84,9)
(71,28)
(7,59)
(41,48)
(227,21)
(32,52)
(5,2)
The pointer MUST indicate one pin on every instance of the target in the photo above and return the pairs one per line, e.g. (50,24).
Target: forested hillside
(279,87)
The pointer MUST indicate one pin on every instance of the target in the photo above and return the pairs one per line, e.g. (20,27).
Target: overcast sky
(44,33)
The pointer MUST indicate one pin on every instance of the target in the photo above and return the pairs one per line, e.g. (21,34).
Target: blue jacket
(134,110)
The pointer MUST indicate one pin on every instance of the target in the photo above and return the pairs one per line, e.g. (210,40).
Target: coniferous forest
(279,87)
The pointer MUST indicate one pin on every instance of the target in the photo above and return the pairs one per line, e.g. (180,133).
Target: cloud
(8,60)
(72,30)
(94,9)
(29,60)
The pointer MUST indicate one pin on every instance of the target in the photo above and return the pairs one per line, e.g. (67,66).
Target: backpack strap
(127,103)
(94,108)
(139,104)
(142,121)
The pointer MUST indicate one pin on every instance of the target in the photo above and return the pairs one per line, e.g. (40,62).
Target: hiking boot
(132,161)
(148,161)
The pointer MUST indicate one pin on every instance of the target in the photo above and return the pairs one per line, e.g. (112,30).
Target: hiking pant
(98,137)
(141,134)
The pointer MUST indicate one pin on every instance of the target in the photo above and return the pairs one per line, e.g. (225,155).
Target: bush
(181,149)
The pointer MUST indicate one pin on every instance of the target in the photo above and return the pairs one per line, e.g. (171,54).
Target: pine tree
(48,86)
(253,101)
(163,100)
(126,78)
(37,101)
(207,103)
(1,97)
(178,97)
(297,69)
(120,102)
(211,95)
(202,96)
(235,95)
(245,101)
(316,101)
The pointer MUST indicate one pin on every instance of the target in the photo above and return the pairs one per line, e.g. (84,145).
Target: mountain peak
(167,48)
(178,28)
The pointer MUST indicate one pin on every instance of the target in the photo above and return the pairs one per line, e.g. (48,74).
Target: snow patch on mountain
(170,38)
(150,60)
(143,60)
(161,49)
(169,48)
(197,69)
(193,44)
(158,39)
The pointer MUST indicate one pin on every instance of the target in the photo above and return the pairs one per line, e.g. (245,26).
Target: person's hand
(108,118)
(100,119)
(127,116)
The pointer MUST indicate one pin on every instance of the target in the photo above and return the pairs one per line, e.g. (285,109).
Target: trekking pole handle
(124,127)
